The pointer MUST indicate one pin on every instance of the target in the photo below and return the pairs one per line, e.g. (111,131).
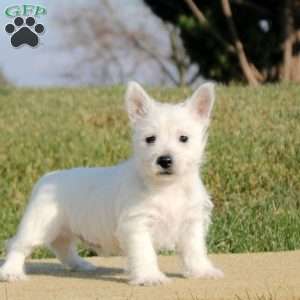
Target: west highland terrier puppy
(155,200)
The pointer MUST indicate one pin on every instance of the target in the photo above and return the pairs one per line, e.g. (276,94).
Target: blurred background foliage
(214,32)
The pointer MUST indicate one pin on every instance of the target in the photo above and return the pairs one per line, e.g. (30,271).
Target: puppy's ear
(202,100)
(138,102)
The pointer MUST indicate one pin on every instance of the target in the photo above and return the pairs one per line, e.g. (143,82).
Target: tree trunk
(295,62)
(291,41)
(244,64)
(287,39)
(295,68)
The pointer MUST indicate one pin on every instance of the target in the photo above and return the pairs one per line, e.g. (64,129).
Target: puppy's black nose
(165,161)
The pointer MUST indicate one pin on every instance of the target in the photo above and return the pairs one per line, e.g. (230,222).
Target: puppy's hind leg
(65,249)
(40,224)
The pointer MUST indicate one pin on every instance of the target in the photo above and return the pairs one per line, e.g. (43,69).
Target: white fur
(130,208)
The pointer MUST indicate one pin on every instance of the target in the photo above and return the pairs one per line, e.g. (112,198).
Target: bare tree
(110,51)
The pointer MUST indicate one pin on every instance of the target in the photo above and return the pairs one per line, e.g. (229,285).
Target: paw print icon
(24,32)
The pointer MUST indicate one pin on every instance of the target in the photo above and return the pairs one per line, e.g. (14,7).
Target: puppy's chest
(168,212)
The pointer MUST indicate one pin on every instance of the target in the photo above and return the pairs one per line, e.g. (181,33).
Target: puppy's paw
(150,279)
(11,275)
(208,272)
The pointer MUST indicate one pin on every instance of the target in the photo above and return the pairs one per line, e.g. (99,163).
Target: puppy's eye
(183,138)
(150,139)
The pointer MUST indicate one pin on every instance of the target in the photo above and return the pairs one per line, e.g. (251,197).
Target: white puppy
(155,200)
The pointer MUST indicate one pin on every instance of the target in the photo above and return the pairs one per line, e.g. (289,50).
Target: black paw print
(25,34)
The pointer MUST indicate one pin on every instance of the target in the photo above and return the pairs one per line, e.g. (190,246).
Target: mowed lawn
(252,167)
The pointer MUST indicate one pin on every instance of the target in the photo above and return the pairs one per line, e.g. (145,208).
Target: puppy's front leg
(142,259)
(192,247)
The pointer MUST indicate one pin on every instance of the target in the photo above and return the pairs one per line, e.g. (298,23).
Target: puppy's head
(168,139)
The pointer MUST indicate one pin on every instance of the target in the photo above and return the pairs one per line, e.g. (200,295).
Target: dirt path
(247,276)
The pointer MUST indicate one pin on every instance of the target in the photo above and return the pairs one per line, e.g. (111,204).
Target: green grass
(252,168)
